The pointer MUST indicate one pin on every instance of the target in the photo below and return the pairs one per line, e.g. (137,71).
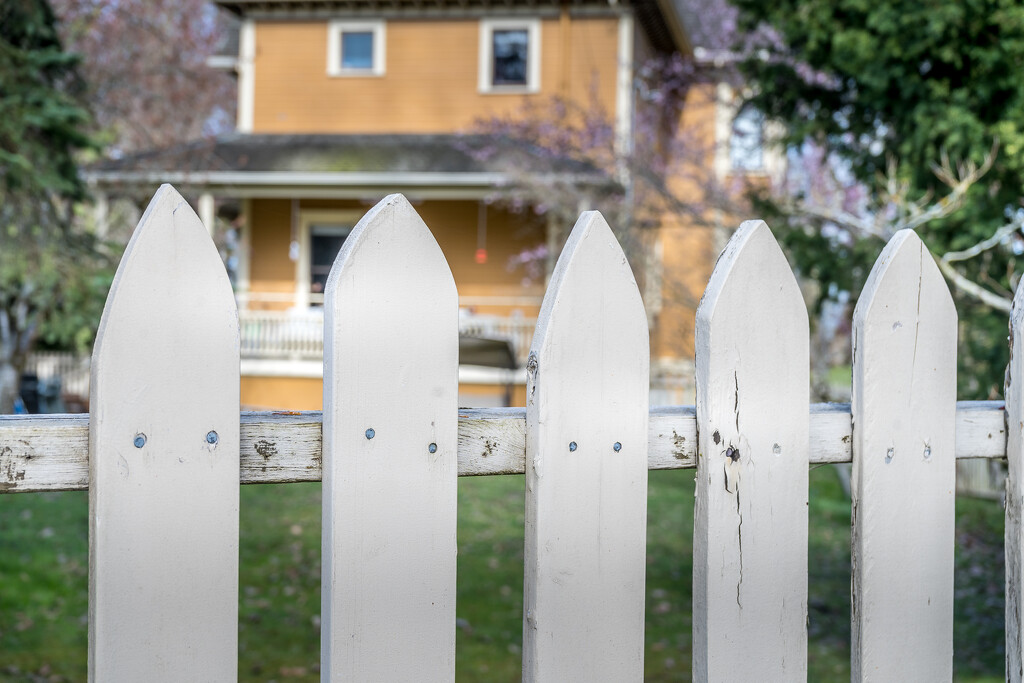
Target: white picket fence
(164,449)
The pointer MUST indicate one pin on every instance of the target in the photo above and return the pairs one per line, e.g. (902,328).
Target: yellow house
(341,103)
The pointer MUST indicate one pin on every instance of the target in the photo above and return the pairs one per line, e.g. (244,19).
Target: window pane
(510,50)
(357,49)
(746,151)
(325,243)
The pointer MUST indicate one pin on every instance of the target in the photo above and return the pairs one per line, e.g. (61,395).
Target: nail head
(572,446)
(617,447)
(370,433)
(140,440)
(211,437)
(432,448)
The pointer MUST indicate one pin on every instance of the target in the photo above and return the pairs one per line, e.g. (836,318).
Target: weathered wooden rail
(51,452)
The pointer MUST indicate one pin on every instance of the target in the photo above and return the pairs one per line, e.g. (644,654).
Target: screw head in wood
(432,448)
(617,447)
(572,446)
(211,437)
(140,440)
(370,433)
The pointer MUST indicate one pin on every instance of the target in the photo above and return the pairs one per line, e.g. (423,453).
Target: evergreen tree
(52,276)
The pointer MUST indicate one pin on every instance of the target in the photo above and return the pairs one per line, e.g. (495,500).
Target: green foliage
(42,124)
(907,80)
(53,276)
(58,295)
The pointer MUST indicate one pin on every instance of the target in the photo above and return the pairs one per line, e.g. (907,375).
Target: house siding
(431,80)
(689,246)
(455,227)
(307,393)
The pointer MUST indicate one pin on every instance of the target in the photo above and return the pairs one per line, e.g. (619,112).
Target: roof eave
(427,185)
(675,26)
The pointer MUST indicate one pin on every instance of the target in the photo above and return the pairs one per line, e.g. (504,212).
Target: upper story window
(509,55)
(355,48)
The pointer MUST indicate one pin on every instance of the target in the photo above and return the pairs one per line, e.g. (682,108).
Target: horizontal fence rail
(51,452)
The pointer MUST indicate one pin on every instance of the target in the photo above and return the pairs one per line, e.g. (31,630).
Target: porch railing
(299,334)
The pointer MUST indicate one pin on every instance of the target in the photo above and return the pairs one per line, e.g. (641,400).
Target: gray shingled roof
(337,165)
(336,154)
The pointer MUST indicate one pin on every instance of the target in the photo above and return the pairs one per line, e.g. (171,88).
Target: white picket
(586,468)
(1014,528)
(164,460)
(904,474)
(390,454)
(750,523)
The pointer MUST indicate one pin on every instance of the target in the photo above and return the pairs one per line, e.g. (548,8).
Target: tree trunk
(8,387)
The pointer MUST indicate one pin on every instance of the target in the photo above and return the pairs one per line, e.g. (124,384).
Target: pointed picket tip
(1017,309)
(751,261)
(591,260)
(1016,339)
(394,228)
(169,246)
(905,268)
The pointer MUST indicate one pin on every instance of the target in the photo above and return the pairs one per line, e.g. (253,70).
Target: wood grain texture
(390,440)
(586,498)
(51,453)
(750,522)
(1014,528)
(904,473)
(163,500)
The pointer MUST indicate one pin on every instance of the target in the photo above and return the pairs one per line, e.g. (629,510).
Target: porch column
(206,211)
(244,255)
(101,214)
(551,234)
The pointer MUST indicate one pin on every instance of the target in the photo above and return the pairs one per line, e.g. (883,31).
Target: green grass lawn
(43,582)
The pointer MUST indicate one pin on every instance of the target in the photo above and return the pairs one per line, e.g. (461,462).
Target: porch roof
(332,165)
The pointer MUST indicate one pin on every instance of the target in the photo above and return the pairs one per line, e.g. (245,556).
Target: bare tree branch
(995,240)
(971,288)
(898,212)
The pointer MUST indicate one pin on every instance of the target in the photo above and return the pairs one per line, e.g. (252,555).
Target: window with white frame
(355,48)
(746,143)
(509,55)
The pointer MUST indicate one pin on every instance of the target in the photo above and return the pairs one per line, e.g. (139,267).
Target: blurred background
(839,122)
